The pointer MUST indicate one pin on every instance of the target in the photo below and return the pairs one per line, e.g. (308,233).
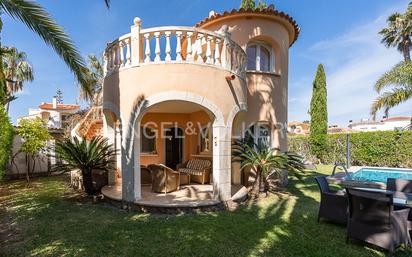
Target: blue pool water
(380,174)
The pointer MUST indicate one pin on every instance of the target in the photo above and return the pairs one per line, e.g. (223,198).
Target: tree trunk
(88,182)
(257,184)
(262,184)
(406,52)
(3,86)
(7,107)
(28,168)
(33,157)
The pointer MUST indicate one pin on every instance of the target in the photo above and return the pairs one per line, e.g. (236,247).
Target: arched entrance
(171,109)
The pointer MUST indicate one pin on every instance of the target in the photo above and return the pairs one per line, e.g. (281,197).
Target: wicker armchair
(145,175)
(199,170)
(164,179)
(404,186)
(372,219)
(333,204)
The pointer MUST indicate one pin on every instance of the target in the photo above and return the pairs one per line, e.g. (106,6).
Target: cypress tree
(319,114)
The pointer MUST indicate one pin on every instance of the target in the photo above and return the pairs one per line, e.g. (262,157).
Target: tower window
(258,57)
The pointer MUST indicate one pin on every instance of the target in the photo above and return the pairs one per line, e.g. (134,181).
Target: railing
(175,45)
(93,115)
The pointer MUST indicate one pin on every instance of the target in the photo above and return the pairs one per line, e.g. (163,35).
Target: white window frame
(259,45)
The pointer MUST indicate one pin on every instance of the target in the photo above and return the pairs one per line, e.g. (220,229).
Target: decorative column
(135,42)
(109,133)
(131,185)
(222,162)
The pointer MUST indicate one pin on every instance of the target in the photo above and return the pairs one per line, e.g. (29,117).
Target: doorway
(174,147)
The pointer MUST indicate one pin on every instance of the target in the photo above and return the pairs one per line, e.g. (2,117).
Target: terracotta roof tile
(397,118)
(68,107)
(268,11)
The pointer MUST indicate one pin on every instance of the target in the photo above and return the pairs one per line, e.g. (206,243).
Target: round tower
(265,35)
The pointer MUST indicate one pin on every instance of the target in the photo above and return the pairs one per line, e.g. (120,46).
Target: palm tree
(38,20)
(399,80)
(267,163)
(398,32)
(17,70)
(86,156)
(96,74)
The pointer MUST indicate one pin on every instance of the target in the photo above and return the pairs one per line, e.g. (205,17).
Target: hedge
(6,141)
(382,148)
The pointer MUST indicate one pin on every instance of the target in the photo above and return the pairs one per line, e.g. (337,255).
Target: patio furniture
(184,178)
(145,175)
(399,185)
(372,219)
(198,169)
(404,186)
(333,204)
(164,179)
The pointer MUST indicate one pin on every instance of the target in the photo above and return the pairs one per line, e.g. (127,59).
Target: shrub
(6,141)
(382,148)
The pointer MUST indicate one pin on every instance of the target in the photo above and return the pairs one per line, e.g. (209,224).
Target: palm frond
(39,21)
(400,75)
(96,154)
(391,99)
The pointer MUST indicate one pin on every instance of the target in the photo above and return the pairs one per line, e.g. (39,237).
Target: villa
(54,114)
(390,123)
(179,94)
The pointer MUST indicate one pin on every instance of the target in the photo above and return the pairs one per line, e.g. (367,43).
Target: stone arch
(180,96)
(131,186)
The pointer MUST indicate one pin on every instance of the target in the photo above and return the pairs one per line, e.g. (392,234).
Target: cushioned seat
(198,169)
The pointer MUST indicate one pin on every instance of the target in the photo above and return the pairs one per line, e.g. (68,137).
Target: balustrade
(177,45)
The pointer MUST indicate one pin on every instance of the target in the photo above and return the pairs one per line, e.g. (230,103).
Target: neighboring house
(391,123)
(335,129)
(53,114)
(176,93)
(298,128)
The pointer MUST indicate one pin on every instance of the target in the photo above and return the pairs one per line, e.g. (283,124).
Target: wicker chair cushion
(191,172)
(197,164)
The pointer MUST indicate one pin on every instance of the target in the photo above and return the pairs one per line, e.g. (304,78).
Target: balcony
(175,45)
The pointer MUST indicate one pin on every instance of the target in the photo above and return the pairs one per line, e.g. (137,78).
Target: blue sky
(340,34)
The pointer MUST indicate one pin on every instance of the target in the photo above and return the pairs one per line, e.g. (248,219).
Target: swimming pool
(380,175)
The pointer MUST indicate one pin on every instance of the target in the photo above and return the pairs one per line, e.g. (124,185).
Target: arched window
(258,57)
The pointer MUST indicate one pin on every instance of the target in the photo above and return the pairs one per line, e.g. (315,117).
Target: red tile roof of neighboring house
(267,11)
(397,118)
(68,107)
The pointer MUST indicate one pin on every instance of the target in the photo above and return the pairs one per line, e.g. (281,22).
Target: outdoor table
(400,199)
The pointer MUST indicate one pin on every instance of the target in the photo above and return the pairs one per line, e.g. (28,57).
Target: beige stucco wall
(124,89)
(267,92)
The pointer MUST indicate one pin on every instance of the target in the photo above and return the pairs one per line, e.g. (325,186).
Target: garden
(47,218)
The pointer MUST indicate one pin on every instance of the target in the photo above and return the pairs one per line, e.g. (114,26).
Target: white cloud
(353,62)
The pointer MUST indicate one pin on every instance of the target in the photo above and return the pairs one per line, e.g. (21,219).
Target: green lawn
(47,219)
